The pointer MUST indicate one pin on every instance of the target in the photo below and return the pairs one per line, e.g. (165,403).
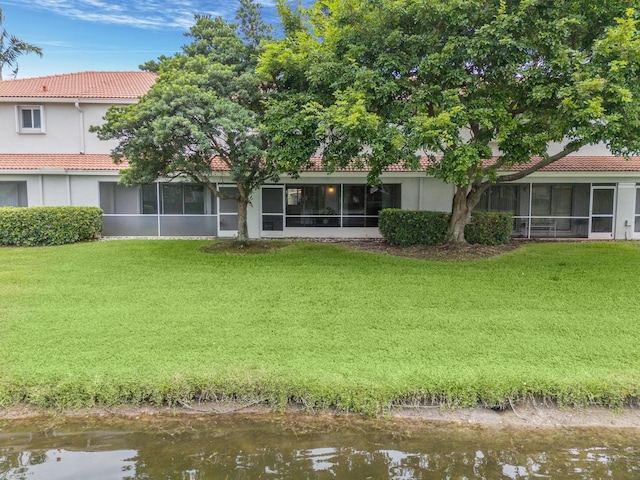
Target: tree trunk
(243,230)
(459,216)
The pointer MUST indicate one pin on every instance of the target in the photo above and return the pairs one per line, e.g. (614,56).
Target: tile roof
(585,163)
(89,162)
(573,163)
(9,161)
(103,85)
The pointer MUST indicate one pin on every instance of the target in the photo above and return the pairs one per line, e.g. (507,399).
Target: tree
(11,47)
(477,86)
(208,102)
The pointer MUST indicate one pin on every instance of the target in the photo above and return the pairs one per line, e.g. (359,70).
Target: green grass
(163,321)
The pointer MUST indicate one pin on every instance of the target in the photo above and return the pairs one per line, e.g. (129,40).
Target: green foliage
(208,102)
(324,326)
(49,225)
(489,228)
(389,78)
(413,227)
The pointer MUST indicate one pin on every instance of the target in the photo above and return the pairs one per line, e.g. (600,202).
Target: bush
(411,227)
(489,228)
(48,225)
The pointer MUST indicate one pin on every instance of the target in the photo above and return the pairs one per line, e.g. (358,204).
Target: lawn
(163,321)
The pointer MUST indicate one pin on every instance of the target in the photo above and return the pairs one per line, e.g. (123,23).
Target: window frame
(20,128)
(313,205)
(154,196)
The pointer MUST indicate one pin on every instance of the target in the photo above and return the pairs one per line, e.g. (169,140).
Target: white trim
(30,130)
(636,217)
(106,101)
(603,235)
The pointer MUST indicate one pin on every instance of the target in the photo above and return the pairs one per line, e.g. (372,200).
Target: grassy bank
(162,322)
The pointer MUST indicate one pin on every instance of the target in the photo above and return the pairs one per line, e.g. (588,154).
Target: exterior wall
(417,192)
(433,194)
(66,129)
(93,115)
(56,190)
(625,211)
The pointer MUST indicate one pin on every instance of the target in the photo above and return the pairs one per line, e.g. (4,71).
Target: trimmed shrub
(489,228)
(411,227)
(48,225)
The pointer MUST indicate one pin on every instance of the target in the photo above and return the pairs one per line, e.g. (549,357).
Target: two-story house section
(49,157)
(47,154)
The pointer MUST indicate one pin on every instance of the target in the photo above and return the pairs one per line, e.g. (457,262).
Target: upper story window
(30,118)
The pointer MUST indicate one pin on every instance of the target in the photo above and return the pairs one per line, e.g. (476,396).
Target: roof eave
(106,101)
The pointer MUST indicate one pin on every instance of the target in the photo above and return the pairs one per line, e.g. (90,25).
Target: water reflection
(310,448)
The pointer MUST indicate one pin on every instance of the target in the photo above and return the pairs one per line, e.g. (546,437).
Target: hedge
(414,227)
(48,225)
(489,228)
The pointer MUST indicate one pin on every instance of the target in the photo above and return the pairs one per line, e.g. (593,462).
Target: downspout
(82,136)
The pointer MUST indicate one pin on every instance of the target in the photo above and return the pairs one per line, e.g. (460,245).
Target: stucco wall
(418,192)
(66,129)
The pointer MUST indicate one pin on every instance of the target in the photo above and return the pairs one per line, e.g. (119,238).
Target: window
(150,199)
(500,198)
(30,119)
(333,205)
(13,194)
(175,199)
(560,200)
(313,205)
(119,199)
(362,203)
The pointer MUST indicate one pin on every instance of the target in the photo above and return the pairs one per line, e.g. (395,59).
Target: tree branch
(547,160)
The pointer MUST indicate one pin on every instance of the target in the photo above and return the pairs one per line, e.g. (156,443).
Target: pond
(306,447)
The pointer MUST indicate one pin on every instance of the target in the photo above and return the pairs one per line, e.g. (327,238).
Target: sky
(98,35)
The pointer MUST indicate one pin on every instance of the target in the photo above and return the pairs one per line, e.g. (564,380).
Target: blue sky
(82,35)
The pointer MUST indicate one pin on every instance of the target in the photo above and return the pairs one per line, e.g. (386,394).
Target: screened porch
(554,210)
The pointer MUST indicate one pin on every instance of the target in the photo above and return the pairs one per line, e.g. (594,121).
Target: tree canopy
(477,86)
(11,47)
(207,103)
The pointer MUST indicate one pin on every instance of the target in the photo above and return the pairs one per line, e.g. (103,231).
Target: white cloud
(136,13)
(149,14)
(54,43)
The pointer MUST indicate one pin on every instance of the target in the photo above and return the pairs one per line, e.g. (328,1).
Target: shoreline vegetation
(179,326)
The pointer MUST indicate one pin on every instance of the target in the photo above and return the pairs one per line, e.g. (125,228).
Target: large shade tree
(208,103)
(478,86)
(11,47)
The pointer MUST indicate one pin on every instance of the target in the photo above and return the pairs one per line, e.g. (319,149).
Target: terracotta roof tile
(81,85)
(104,162)
(10,161)
(584,163)
(575,163)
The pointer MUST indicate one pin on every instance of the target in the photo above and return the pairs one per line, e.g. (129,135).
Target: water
(279,446)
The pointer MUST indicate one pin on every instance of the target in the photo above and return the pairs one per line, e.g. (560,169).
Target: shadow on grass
(252,247)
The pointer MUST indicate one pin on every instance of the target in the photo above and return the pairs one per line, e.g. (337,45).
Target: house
(49,157)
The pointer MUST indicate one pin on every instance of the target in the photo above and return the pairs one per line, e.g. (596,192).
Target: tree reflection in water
(278,446)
